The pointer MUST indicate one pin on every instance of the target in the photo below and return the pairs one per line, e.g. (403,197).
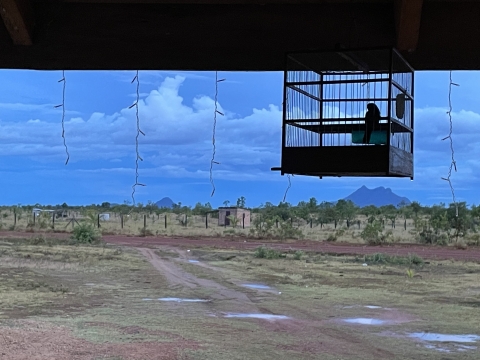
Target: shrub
(145,232)
(473,240)
(233,220)
(298,255)
(379,258)
(287,231)
(85,234)
(332,237)
(263,252)
(372,233)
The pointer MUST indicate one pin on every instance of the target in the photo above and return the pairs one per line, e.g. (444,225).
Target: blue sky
(176,114)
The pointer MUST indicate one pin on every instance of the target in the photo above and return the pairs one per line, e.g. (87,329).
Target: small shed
(243,216)
(105,217)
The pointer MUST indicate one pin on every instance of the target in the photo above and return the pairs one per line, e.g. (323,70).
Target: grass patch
(263,252)
(384,259)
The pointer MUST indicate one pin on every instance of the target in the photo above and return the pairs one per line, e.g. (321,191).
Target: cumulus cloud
(178,140)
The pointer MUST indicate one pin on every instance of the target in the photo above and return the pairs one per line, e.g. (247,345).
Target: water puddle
(257,316)
(364,321)
(445,337)
(257,286)
(365,306)
(193,261)
(175,299)
(182,300)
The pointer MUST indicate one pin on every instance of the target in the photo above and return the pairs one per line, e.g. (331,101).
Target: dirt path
(427,252)
(176,276)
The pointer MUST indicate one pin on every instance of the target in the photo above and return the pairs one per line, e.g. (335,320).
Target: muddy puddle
(257,286)
(193,261)
(256,316)
(365,321)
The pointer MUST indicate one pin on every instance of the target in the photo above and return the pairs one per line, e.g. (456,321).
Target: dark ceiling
(231,35)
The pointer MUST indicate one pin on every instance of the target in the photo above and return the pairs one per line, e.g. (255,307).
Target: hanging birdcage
(348,113)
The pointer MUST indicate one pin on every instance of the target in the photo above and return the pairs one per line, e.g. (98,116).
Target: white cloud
(178,138)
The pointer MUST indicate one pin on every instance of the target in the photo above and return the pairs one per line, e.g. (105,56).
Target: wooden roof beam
(408,15)
(19,20)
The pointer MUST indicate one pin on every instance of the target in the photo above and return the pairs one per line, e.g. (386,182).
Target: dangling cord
(214,148)
(63,114)
(138,157)
(288,188)
(453,163)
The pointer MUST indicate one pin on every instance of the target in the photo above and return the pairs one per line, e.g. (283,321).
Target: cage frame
(391,161)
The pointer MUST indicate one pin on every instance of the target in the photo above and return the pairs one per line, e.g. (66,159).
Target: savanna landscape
(312,281)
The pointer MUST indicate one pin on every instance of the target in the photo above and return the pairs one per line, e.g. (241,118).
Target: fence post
(276,221)
(243,224)
(206,221)
(53,221)
(335,224)
(311,223)
(14,218)
(405,224)
(98,221)
(348,224)
(144,221)
(358,223)
(165,221)
(121,221)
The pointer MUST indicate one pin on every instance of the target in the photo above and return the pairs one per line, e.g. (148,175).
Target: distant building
(105,217)
(241,214)
(37,211)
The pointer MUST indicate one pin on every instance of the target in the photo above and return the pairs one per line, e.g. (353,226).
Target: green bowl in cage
(378,137)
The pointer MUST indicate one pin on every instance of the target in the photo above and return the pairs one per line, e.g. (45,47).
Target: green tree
(241,202)
(416,207)
(346,210)
(225,203)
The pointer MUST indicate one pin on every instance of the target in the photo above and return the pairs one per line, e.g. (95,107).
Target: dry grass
(133,225)
(96,292)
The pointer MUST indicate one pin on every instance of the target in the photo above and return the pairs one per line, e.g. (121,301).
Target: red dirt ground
(426,252)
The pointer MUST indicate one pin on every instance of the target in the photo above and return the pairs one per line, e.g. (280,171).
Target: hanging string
(453,164)
(288,187)
(139,131)
(214,148)
(62,105)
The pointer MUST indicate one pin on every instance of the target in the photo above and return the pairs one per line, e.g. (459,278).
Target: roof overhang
(236,35)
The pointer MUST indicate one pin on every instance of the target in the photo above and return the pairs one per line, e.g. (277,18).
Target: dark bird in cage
(372,121)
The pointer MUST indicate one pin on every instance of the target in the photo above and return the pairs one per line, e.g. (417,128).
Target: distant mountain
(166,202)
(379,196)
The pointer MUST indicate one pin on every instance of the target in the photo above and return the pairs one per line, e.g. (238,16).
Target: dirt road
(426,252)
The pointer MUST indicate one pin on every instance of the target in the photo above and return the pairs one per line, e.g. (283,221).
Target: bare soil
(339,248)
(426,252)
